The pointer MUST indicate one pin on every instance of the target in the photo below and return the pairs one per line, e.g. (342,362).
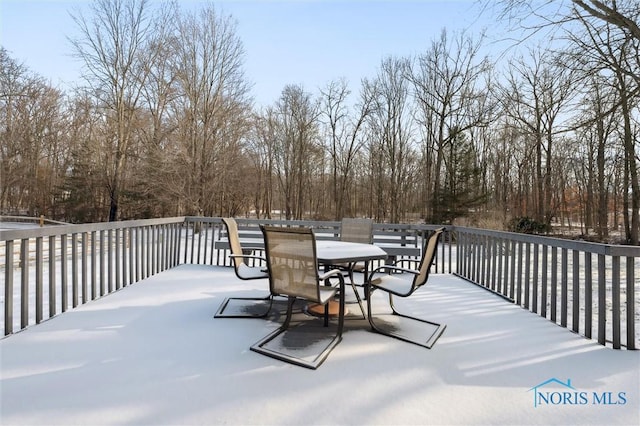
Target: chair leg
(259,314)
(359,299)
(394,330)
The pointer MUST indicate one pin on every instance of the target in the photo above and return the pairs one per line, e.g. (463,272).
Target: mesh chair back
(428,254)
(356,230)
(234,240)
(292,262)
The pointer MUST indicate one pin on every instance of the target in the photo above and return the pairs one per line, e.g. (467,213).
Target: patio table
(336,252)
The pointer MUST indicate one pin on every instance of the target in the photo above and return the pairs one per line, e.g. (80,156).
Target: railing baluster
(74,270)
(103,284)
(52,276)
(94,263)
(535,281)
(575,296)
(109,266)
(501,260)
(64,270)
(564,284)
(519,275)
(8,288)
(512,270)
(39,281)
(630,291)
(154,249)
(602,300)
(118,259)
(493,259)
(588,296)
(615,300)
(24,283)
(527,276)
(83,265)
(554,283)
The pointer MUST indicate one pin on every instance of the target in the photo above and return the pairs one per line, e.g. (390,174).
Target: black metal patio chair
(293,272)
(403,282)
(243,260)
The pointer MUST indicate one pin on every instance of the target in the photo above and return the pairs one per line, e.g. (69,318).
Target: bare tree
(33,153)
(112,45)
(446,82)
(344,139)
(535,94)
(607,36)
(391,139)
(297,148)
(212,105)
(611,52)
(13,86)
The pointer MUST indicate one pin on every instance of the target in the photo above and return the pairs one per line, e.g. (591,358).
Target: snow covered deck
(152,354)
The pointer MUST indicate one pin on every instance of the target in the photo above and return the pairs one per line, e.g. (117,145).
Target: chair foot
(404,327)
(286,344)
(408,329)
(251,307)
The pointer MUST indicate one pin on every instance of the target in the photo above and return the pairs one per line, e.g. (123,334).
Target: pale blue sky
(303,42)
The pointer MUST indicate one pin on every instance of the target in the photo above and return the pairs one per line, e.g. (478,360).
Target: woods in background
(164,125)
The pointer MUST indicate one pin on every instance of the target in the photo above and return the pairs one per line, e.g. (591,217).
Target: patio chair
(403,282)
(249,307)
(356,231)
(293,272)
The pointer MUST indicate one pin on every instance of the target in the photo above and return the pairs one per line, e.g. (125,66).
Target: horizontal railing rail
(586,287)
(579,285)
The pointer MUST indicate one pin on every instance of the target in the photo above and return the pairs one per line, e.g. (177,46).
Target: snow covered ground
(153,354)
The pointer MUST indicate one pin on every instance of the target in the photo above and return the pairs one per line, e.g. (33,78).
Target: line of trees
(164,124)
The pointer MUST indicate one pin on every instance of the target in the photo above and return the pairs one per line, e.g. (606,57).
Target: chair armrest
(334,273)
(248,256)
(409,261)
(391,268)
(331,273)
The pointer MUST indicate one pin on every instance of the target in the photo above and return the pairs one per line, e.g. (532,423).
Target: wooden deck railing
(583,286)
(589,288)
